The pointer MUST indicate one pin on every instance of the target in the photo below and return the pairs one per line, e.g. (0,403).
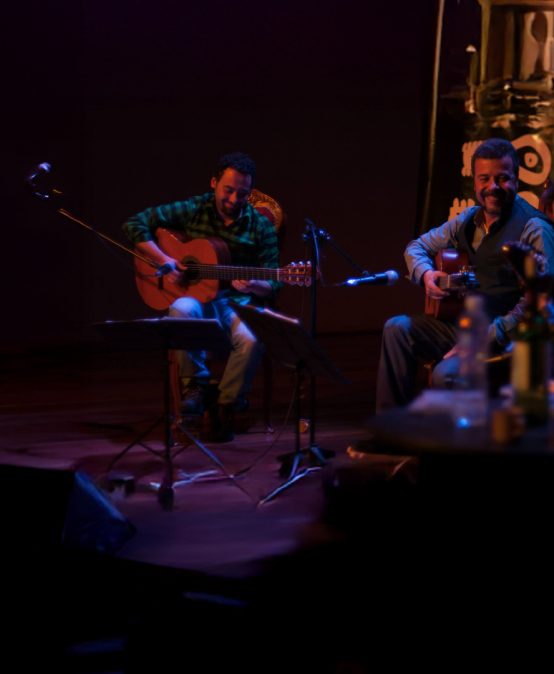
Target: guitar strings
(210,271)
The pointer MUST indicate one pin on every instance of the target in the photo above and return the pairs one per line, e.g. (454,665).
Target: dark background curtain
(132,103)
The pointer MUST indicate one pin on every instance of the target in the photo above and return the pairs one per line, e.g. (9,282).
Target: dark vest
(498,282)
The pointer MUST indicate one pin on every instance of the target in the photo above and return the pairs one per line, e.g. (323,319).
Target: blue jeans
(407,340)
(245,349)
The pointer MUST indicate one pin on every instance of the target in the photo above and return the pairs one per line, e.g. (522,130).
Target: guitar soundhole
(191,274)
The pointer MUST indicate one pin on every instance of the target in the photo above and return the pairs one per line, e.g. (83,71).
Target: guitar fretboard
(229,272)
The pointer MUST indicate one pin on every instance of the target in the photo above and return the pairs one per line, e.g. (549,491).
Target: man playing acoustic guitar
(251,240)
(478,233)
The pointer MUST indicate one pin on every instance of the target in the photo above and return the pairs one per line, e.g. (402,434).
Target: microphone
(313,230)
(387,278)
(40,171)
(39,184)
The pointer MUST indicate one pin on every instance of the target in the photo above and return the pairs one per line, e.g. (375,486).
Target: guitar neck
(230,272)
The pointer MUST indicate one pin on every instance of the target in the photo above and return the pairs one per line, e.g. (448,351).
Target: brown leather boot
(193,400)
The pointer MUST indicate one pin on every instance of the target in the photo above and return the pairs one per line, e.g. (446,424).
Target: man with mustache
(480,231)
(252,242)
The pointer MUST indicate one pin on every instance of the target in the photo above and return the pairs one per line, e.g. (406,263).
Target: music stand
(165,334)
(288,343)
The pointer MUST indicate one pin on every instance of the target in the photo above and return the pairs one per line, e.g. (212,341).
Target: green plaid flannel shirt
(251,239)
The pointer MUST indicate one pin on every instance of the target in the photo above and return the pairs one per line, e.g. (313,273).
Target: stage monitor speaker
(47,509)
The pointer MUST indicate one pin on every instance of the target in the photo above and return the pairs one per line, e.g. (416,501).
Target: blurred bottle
(470,408)
(532,359)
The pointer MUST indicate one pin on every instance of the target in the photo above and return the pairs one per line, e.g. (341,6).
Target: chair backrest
(272,210)
(267,206)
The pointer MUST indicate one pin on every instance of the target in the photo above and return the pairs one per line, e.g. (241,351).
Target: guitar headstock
(297,274)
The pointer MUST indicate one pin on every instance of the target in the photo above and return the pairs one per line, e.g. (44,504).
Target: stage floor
(217,553)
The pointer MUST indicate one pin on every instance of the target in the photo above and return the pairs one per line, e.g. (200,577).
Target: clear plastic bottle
(471,396)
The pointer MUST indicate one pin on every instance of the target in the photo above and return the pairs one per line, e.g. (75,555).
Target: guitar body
(158,293)
(207,263)
(449,261)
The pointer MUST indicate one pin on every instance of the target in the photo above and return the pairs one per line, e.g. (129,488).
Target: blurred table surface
(403,432)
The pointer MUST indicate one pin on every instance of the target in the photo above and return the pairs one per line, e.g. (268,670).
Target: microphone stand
(327,238)
(315,235)
(54,196)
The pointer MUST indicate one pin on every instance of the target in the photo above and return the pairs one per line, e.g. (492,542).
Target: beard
(231,210)
(501,200)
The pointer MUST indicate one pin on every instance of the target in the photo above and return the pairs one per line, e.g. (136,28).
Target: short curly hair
(495,148)
(239,161)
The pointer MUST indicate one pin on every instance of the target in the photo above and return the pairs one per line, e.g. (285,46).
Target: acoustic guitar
(459,278)
(207,264)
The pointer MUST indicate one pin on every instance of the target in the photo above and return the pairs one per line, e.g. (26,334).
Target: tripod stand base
(188,478)
(311,456)
(297,476)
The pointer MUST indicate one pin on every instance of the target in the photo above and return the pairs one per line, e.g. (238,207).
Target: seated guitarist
(252,241)
(479,232)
